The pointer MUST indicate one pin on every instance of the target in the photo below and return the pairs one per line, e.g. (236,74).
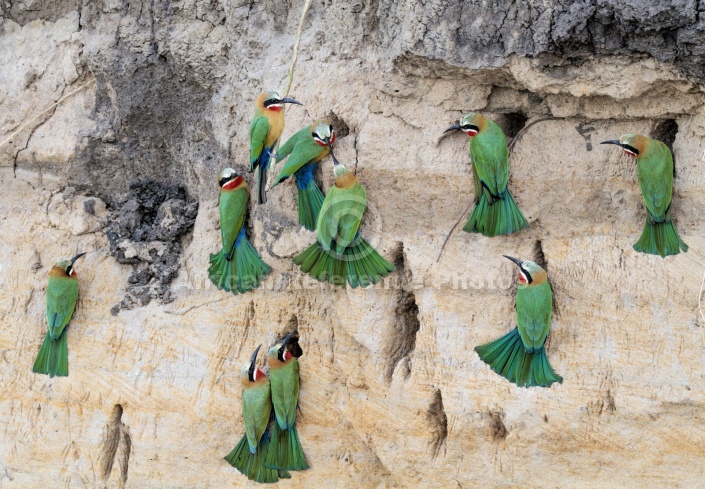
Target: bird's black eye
(315,135)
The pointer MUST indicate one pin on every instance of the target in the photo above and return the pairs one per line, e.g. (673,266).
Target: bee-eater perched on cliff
(520,355)
(237,267)
(265,130)
(340,254)
(654,169)
(250,453)
(285,451)
(495,211)
(306,148)
(62,293)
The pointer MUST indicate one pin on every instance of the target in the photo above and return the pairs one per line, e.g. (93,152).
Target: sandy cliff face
(393,394)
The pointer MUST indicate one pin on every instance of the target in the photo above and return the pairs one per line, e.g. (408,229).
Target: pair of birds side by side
(340,255)
(270,447)
(496,213)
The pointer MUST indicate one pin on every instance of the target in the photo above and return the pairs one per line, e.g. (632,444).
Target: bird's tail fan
(494,218)
(660,238)
(251,464)
(508,357)
(285,451)
(239,271)
(53,357)
(359,264)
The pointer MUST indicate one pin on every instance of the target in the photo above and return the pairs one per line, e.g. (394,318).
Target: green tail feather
(242,273)
(508,357)
(253,465)
(310,202)
(285,451)
(501,217)
(53,357)
(359,264)
(660,238)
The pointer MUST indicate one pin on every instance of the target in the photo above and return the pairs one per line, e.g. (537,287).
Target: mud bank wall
(393,394)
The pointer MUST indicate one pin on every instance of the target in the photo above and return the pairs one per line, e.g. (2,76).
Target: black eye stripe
(315,135)
(630,148)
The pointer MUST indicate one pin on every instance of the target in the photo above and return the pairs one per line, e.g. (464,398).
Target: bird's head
(633,145)
(66,265)
(250,372)
(273,101)
(279,354)
(471,124)
(323,133)
(530,273)
(229,179)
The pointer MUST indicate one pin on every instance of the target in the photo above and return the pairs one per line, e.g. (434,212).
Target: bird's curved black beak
(286,339)
(454,127)
(330,148)
(73,260)
(290,101)
(253,359)
(612,141)
(518,262)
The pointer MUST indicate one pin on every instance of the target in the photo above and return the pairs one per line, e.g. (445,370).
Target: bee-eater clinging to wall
(305,149)
(654,169)
(265,130)
(62,294)
(236,267)
(285,451)
(520,355)
(495,211)
(340,254)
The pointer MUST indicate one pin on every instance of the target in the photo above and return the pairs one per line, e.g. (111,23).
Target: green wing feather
(62,293)
(285,393)
(256,411)
(259,129)
(233,209)
(286,148)
(340,217)
(655,173)
(304,151)
(534,306)
(490,159)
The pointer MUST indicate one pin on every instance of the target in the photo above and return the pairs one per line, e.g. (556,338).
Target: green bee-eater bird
(654,169)
(520,355)
(237,267)
(265,130)
(285,451)
(250,453)
(340,254)
(305,149)
(62,293)
(495,211)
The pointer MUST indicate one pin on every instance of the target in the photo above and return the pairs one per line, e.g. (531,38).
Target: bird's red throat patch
(275,107)
(522,278)
(470,132)
(233,183)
